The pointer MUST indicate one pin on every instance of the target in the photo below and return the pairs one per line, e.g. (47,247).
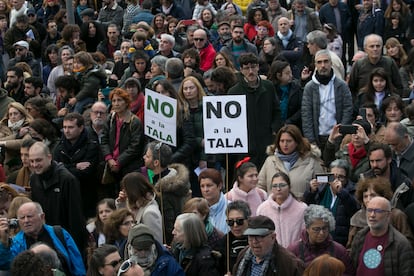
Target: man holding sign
(263,112)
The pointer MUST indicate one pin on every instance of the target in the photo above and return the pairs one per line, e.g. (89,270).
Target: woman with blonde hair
(395,50)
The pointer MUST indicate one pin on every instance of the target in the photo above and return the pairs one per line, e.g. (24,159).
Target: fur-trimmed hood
(315,151)
(177,181)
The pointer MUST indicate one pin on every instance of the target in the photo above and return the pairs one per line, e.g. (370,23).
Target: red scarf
(356,155)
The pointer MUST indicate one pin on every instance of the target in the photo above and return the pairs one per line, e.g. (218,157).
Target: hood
(315,151)
(177,181)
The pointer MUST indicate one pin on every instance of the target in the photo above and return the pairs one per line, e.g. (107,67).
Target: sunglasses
(240,221)
(198,39)
(125,266)
(19,49)
(115,263)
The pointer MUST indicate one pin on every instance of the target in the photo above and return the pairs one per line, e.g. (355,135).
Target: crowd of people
(326,187)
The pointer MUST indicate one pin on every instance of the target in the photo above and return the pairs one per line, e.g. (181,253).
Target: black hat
(365,125)
(87,12)
(259,226)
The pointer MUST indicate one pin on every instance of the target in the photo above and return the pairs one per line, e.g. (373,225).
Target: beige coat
(300,174)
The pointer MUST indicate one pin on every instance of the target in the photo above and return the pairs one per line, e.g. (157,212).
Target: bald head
(283,25)
(40,158)
(378,214)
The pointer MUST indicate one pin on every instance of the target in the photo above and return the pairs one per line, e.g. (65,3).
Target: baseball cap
(22,43)
(259,226)
(140,237)
(31,11)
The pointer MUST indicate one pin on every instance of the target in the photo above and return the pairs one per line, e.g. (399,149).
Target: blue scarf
(288,159)
(285,38)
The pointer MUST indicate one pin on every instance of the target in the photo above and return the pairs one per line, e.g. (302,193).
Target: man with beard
(67,87)
(379,249)
(24,55)
(191,60)
(111,13)
(326,102)
(238,46)
(14,84)
(224,35)
(263,111)
(147,252)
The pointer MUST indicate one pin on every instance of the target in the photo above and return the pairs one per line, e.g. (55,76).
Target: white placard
(160,117)
(225,124)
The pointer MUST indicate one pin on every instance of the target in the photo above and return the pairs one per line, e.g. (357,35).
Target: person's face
(211,87)
(148,160)
(273,4)
(373,47)
(367,4)
(285,77)
(368,195)
(24,156)
(132,90)
(30,220)
(377,220)
(92,29)
(249,180)
(53,57)
(112,262)
(236,229)
(250,71)
(287,144)
(39,161)
(210,190)
(160,89)
(258,16)
(178,232)
(52,28)
(356,140)
(22,25)
(12,79)
(112,33)
(379,83)
(339,174)
(393,51)
(393,113)
(71,130)
(283,25)
(165,45)
(223,30)
(159,22)
(20,51)
(3,23)
(140,65)
(394,22)
(126,225)
(139,44)
(125,48)
(206,15)
(171,27)
(65,55)
(313,48)
(323,65)
(190,91)
(220,61)
(370,116)
(32,111)
(230,10)
(118,104)
(318,231)
(333,3)
(68,65)
(199,38)
(237,35)
(32,18)
(262,31)
(261,245)
(392,139)
(77,65)
(189,61)
(280,189)
(378,162)
(299,7)
(268,47)
(396,6)
(155,69)
(14,115)
(98,115)
(104,212)
(29,89)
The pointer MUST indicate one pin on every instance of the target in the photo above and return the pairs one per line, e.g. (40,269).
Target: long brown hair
(303,145)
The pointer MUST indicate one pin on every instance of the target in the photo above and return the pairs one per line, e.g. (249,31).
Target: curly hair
(115,220)
(28,263)
(380,185)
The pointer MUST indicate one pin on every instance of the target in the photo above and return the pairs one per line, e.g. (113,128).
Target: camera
(348,129)
(325,178)
(13,223)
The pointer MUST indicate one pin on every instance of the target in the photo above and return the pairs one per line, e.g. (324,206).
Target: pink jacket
(288,218)
(253,198)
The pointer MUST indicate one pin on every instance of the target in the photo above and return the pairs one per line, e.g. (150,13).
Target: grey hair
(169,37)
(160,61)
(315,212)
(194,230)
(323,52)
(240,206)
(319,38)
(161,152)
(371,36)
(49,257)
(400,130)
(174,68)
(340,163)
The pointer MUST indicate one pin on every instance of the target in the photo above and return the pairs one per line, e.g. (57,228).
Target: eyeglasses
(376,211)
(239,221)
(198,39)
(115,263)
(279,185)
(319,229)
(128,223)
(99,112)
(125,266)
(19,49)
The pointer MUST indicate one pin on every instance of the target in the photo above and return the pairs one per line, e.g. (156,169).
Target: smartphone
(363,113)
(348,129)
(325,177)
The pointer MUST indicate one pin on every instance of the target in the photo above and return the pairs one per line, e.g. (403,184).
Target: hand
(334,133)
(314,185)
(336,186)
(113,77)
(306,73)
(362,135)
(72,101)
(101,96)
(187,71)
(113,165)
(83,165)
(62,112)
(23,131)
(4,231)
(121,196)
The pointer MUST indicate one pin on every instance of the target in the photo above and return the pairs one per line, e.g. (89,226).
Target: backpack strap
(59,233)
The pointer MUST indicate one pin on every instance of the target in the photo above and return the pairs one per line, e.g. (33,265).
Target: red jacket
(207,55)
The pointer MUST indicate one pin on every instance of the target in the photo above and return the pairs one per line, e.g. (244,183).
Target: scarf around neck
(285,38)
(288,159)
(15,126)
(356,155)
(324,79)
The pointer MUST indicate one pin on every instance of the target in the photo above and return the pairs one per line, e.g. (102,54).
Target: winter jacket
(90,82)
(14,34)
(263,116)
(372,24)
(345,208)
(57,190)
(174,187)
(311,106)
(111,15)
(197,261)
(236,245)
(300,174)
(207,55)
(130,143)
(293,53)
(282,263)
(30,60)
(327,15)
(288,218)
(253,198)
(228,49)
(69,250)
(5,100)
(294,103)
(398,256)
(307,252)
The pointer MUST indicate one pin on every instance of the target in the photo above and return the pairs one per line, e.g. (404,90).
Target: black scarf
(324,79)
